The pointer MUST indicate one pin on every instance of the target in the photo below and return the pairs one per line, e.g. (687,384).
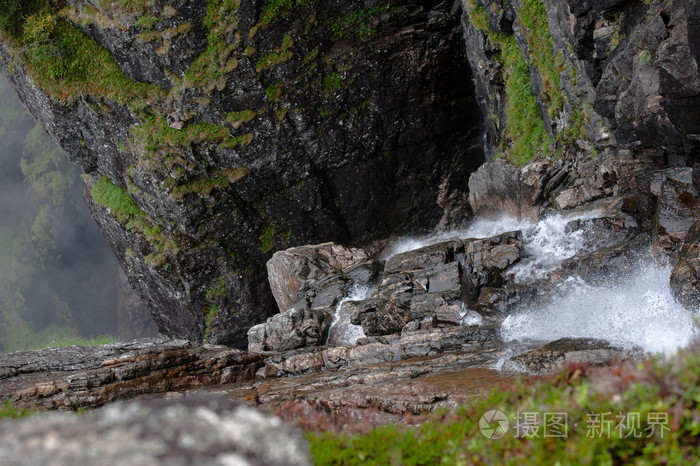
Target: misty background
(59,281)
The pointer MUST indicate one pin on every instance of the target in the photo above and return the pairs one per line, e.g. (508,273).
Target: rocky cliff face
(214,133)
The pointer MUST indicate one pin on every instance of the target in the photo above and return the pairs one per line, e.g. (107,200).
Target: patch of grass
(239,118)
(645,57)
(9,411)
(209,69)
(69,65)
(646,414)
(274,92)
(116,199)
(221,179)
(525,135)
(533,15)
(478,16)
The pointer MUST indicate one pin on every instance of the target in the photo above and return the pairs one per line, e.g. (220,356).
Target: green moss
(211,312)
(355,24)
(645,57)
(478,16)
(116,199)
(204,186)
(277,9)
(332,83)
(239,118)
(533,15)
(267,239)
(622,433)
(280,55)
(274,92)
(71,65)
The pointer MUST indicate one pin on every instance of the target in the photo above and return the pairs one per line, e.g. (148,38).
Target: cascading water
(637,310)
(342,332)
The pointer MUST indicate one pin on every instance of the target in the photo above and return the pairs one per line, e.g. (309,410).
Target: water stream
(637,310)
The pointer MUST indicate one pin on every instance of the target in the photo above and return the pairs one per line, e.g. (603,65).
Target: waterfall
(637,310)
(342,332)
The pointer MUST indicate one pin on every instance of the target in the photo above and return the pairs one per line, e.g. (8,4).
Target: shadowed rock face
(263,132)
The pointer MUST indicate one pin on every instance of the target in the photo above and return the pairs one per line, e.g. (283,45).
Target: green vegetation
(646,415)
(8,411)
(238,118)
(209,69)
(277,9)
(645,57)
(280,55)
(533,15)
(221,179)
(13,14)
(356,23)
(116,199)
(332,83)
(274,92)
(267,238)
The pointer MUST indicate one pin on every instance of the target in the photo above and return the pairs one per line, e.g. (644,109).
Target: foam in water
(635,311)
(341,331)
(638,311)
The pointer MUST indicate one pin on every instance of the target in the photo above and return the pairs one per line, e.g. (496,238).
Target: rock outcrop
(193,431)
(685,278)
(90,376)
(213,133)
(556,355)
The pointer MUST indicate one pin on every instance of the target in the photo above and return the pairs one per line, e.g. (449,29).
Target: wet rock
(473,338)
(200,430)
(607,263)
(685,278)
(554,356)
(292,329)
(89,376)
(313,273)
(380,317)
(495,303)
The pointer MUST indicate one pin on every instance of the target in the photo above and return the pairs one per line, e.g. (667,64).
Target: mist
(59,280)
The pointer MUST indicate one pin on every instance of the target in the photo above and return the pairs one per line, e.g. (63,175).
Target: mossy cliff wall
(212,133)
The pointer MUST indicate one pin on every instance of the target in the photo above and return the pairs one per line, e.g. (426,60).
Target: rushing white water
(639,310)
(633,311)
(342,332)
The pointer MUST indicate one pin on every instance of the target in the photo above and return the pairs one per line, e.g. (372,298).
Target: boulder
(314,273)
(295,328)
(685,277)
(192,431)
(554,356)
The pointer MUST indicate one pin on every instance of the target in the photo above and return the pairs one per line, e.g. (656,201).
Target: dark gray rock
(554,356)
(355,136)
(295,328)
(685,278)
(200,430)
